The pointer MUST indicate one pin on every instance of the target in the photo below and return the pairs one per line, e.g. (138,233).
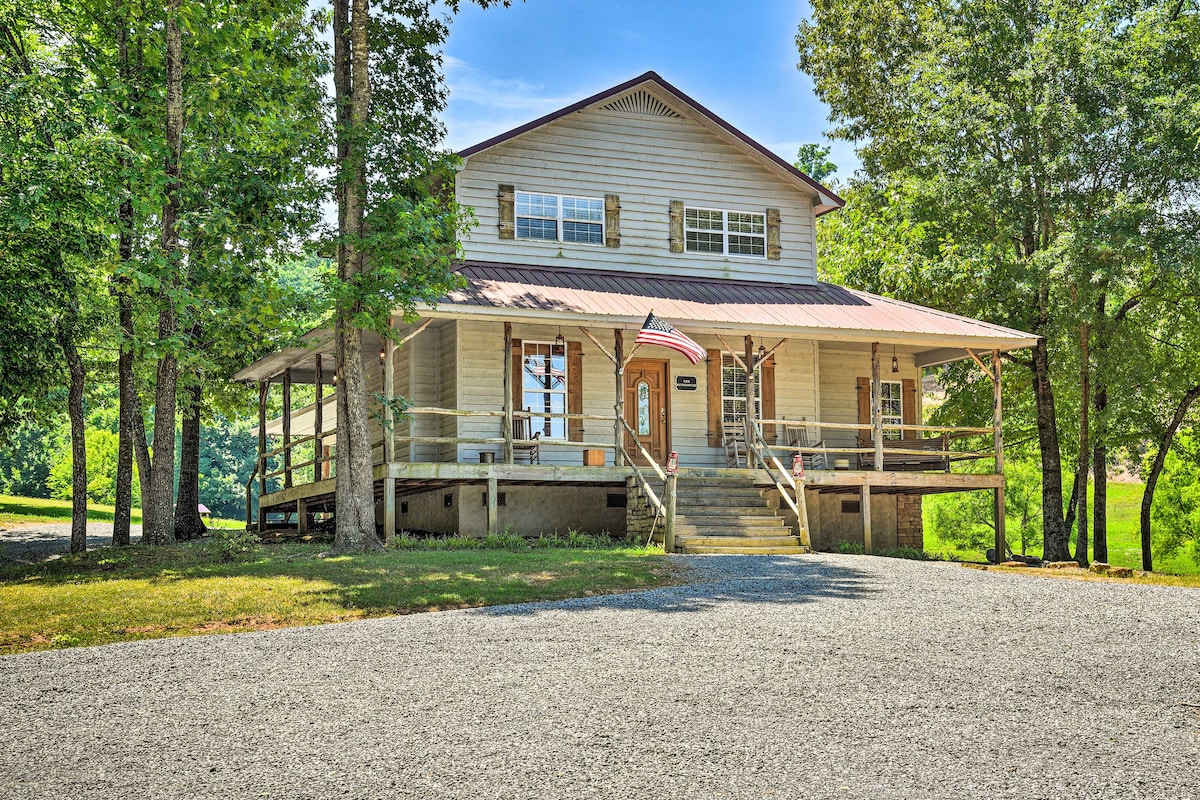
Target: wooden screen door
(647,408)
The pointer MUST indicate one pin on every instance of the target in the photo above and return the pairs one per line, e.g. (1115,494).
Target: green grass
(17,510)
(141,592)
(1124,535)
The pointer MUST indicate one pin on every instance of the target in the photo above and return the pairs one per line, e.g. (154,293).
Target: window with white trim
(730,233)
(544,387)
(733,391)
(892,406)
(560,218)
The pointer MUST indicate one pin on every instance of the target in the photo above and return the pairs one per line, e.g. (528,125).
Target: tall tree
(1025,144)
(397,236)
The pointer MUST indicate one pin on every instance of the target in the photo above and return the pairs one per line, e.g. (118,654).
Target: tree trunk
(141,448)
(188,523)
(126,415)
(1164,445)
(79,479)
(1085,407)
(1100,502)
(354,525)
(157,513)
(1057,537)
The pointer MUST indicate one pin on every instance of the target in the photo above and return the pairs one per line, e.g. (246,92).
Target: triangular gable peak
(649,95)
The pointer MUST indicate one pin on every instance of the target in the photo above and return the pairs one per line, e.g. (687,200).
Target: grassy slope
(18,510)
(145,593)
(1124,535)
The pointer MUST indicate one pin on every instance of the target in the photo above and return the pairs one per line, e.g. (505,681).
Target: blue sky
(507,66)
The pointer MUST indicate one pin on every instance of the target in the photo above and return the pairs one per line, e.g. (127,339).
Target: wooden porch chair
(522,429)
(797,437)
(733,438)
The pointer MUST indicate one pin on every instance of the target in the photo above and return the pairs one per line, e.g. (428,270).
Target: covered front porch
(469,455)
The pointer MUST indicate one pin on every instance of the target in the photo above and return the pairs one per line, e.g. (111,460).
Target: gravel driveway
(815,677)
(36,541)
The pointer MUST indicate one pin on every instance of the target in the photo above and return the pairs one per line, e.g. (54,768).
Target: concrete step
(737,541)
(745,551)
(748,492)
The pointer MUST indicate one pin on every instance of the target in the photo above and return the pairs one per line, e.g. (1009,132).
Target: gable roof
(826,199)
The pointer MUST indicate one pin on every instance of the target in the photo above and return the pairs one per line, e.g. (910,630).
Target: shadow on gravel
(725,579)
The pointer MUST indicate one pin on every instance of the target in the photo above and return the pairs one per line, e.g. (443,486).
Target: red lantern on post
(798,466)
(672,463)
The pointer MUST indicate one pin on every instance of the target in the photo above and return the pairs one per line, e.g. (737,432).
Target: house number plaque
(685,383)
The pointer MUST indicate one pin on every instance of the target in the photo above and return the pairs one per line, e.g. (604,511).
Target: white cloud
(483,105)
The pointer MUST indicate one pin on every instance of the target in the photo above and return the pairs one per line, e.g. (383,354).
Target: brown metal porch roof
(821,310)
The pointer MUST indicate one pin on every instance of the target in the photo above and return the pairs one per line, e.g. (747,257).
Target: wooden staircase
(731,515)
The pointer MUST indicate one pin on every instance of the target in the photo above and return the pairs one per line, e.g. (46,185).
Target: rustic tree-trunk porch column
(508,393)
(998,445)
(263,388)
(287,428)
(318,424)
(389,435)
(751,394)
(876,407)
(619,405)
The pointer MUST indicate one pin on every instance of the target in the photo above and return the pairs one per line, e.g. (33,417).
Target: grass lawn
(112,595)
(17,510)
(1124,535)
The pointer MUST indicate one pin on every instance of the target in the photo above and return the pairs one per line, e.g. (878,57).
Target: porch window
(733,390)
(544,387)
(731,233)
(893,408)
(560,218)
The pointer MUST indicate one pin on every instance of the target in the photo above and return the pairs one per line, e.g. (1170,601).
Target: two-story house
(534,409)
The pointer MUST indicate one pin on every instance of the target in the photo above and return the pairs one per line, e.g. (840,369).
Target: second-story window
(560,218)
(730,233)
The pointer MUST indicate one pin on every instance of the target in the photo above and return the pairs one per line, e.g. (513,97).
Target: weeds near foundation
(571,540)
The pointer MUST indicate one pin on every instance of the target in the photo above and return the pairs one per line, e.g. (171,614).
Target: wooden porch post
(669,490)
(876,407)
(493,504)
(263,388)
(389,436)
(508,393)
(998,444)
(864,500)
(287,428)
(619,405)
(750,399)
(318,423)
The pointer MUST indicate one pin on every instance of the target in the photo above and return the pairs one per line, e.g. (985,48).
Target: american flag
(656,331)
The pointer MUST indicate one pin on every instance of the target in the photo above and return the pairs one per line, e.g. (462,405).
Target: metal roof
(819,311)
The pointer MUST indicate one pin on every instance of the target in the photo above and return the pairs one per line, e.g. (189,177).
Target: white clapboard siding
(648,161)
(425,387)
(480,382)
(840,368)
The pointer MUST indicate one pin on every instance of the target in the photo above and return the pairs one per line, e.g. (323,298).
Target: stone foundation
(910,529)
(639,513)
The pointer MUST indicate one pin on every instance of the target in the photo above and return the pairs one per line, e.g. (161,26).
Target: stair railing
(661,508)
(768,459)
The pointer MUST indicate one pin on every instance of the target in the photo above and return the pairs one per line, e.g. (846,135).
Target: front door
(647,408)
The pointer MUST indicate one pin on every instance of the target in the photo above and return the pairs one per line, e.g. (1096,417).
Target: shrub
(849,548)
(910,553)
(232,544)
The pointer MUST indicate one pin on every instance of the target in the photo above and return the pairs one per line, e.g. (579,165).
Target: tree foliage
(1031,164)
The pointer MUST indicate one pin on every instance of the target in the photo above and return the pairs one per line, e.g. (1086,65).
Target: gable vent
(641,102)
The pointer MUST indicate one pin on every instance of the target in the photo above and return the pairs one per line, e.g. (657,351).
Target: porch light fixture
(559,341)
(762,352)
(382,355)
(895,361)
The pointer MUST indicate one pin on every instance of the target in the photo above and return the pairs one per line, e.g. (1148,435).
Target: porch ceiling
(822,311)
